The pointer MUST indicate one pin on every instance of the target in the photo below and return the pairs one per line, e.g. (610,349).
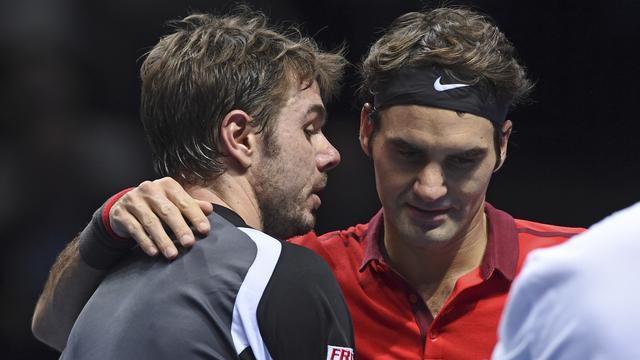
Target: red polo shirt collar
(502,245)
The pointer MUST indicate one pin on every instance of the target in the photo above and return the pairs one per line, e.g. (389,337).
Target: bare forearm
(70,284)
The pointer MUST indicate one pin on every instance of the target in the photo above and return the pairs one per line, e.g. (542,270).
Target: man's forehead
(302,93)
(433,119)
(468,146)
(306,102)
(317,110)
(421,124)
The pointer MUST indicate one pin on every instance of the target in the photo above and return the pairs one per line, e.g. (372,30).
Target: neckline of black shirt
(229,215)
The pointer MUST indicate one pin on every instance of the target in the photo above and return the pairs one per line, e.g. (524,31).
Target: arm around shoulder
(73,278)
(69,286)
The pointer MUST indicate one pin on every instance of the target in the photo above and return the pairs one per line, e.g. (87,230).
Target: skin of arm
(69,286)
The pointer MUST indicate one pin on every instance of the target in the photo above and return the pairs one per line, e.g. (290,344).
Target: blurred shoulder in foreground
(578,300)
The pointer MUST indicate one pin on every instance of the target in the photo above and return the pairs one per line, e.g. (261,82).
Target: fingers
(133,215)
(188,208)
(170,214)
(152,226)
(135,230)
(142,212)
(206,207)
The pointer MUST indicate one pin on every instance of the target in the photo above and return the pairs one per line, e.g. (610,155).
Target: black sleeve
(302,314)
(97,248)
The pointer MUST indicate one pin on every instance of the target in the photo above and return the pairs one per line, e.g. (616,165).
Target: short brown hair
(211,65)
(466,44)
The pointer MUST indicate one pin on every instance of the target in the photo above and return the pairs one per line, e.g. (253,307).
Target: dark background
(70,135)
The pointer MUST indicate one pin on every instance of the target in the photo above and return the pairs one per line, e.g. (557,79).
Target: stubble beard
(281,208)
(282,216)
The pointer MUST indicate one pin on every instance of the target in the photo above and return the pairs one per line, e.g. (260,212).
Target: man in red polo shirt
(428,276)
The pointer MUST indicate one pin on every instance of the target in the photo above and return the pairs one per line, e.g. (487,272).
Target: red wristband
(107,208)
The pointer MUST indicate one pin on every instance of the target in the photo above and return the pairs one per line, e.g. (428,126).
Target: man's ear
(238,137)
(505,132)
(366,128)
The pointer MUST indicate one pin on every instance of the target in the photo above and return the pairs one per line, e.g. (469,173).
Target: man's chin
(432,235)
(304,226)
(288,228)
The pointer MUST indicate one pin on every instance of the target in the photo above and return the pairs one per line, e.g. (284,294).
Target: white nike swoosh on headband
(444,87)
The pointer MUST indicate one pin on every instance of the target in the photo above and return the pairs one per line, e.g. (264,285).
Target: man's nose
(328,156)
(430,184)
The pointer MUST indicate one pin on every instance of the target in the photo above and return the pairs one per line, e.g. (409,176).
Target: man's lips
(316,201)
(320,185)
(428,214)
(430,210)
(315,196)
(317,188)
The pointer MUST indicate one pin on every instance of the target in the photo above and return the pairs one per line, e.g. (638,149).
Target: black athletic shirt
(236,294)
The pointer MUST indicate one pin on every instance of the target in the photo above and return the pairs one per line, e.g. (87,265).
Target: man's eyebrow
(473,152)
(403,143)
(476,151)
(320,111)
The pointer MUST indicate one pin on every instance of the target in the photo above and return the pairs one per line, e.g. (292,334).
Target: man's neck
(432,270)
(230,192)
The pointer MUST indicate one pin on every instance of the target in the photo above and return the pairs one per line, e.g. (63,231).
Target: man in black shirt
(236,293)
(234,112)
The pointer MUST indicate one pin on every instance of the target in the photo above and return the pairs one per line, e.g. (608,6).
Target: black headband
(429,85)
